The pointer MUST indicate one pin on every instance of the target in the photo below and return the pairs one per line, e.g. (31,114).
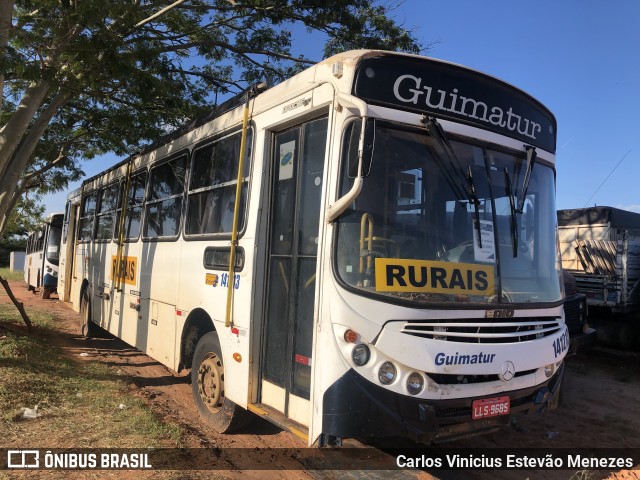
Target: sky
(580,58)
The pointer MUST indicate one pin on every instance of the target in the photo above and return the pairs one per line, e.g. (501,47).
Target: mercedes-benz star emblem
(507,372)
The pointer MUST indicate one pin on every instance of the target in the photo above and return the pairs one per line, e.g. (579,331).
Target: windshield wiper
(516,201)
(452,175)
(531,160)
(514,211)
(469,189)
(473,198)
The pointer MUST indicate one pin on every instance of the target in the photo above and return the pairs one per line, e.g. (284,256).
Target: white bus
(368,249)
(42,256)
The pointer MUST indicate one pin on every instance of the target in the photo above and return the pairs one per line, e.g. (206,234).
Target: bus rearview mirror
(367,148)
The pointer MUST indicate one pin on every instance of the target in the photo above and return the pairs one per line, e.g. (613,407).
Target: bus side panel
(129,312)
(157,283)
(206,289)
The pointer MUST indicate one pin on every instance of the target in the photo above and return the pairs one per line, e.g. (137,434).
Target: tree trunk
(18,304)
(12,132)
(6,9)
(4,218)
(10,185)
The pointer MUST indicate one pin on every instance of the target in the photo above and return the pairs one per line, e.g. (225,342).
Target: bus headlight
(387,373)
(360,354)
(415,383)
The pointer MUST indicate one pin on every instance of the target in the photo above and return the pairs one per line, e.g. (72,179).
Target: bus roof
(351,59)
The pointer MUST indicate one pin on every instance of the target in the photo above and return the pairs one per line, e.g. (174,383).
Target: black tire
(45,293)
(87,327)
(207,386)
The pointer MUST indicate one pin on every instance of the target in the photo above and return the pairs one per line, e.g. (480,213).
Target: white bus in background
(43,255)
(388,268)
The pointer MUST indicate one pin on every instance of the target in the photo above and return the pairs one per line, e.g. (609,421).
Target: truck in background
(600,248)
(576,311)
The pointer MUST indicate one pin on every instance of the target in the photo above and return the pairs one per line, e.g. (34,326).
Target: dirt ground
(599,409)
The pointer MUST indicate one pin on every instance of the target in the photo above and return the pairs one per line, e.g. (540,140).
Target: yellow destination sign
(128,269)
(408,275)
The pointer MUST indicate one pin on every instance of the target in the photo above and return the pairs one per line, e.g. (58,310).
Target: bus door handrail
(334,210)
(121,225)
(251,93)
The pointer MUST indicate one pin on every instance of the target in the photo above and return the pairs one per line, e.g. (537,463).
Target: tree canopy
(82,78)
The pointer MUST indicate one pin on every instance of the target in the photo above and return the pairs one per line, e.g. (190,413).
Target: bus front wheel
(207,386)
(88,328)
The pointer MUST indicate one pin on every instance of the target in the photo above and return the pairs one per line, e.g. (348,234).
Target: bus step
(280,420)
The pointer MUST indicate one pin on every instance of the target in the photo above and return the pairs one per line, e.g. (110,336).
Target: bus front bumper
(356,408)
(49,281)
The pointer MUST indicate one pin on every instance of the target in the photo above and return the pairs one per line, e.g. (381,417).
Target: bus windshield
(53,244)
(438,226)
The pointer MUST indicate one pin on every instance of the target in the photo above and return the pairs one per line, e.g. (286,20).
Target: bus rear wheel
(207,386)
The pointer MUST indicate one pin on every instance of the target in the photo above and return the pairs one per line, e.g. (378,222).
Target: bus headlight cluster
(387,373)
(360,354)
(415,383)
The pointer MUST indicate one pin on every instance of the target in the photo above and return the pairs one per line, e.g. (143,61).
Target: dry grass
(79,405)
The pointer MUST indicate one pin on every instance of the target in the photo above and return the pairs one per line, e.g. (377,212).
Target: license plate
(490,407)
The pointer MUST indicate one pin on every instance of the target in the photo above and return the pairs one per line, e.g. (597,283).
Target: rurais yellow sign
(128,269)
(409,275)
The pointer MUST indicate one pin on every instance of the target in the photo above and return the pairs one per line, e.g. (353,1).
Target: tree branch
(18,304)
(209,78)
(23,153)
(14,130)
(36,173)
(156,15)
(234,49)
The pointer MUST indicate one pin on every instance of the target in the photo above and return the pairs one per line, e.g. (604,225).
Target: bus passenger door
(297,178)
(67,258)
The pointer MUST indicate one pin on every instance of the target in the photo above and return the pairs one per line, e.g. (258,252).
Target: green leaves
(128,76)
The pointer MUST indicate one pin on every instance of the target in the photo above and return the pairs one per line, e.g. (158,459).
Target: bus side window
(212,188)
(106,211)
(135,205)
(164,204)
(40,240)
(65,226)
(85,232)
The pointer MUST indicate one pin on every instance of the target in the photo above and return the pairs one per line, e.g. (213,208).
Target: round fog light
(415,383)
(548,370)
(387,373)
(360,354)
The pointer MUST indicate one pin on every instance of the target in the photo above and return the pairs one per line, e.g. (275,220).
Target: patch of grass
(9,275)
(40,318)
(79,404)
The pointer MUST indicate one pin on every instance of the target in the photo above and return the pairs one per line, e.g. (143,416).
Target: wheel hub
(211,383)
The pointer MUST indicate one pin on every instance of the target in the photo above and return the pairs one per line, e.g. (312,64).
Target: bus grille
(453,379)
(478,330)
